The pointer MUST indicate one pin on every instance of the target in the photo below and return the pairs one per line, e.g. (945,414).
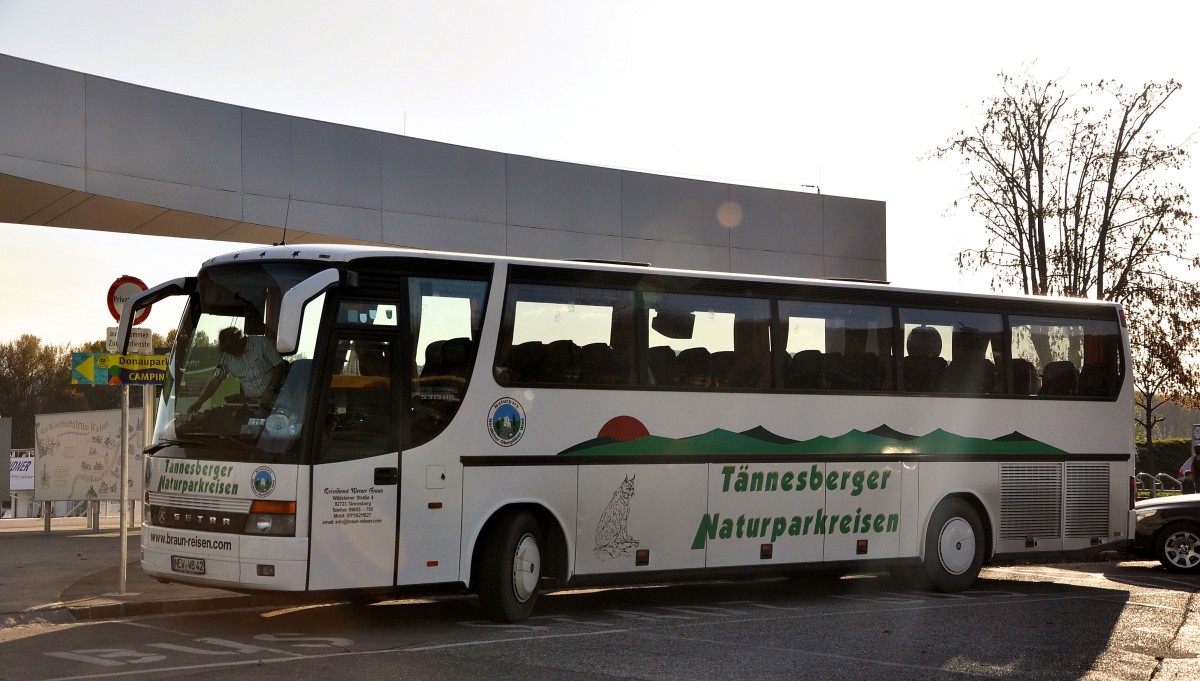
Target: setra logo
(263,481)
(506,422)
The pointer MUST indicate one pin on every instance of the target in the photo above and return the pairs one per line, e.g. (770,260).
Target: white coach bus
(431,421)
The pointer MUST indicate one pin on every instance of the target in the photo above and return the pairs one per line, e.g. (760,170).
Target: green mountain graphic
(891,433)
(759,440)
(760,433)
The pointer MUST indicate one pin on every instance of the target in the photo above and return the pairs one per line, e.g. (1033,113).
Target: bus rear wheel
(511,568)
(954,546)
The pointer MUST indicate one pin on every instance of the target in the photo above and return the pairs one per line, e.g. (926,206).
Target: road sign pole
(124,288)
(124,534)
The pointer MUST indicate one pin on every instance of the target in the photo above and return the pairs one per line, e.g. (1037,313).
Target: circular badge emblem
(263,481)
(506,422)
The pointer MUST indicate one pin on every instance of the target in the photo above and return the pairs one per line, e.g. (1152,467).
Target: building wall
(164,163)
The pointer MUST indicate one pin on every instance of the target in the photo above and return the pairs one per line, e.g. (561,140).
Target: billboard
(20,471)
(78,456)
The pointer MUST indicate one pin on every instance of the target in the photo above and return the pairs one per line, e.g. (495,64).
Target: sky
(849,96)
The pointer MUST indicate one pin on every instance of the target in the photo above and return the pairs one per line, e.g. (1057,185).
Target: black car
(1168,528)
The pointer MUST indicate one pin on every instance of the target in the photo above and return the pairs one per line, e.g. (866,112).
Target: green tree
(1078,198)
(162,344)
(35,379)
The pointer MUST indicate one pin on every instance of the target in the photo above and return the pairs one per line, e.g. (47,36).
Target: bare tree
(1160,365)
(1077,192)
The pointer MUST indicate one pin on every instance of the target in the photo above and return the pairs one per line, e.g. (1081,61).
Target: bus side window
(953,352)
(1059,358)
(358,414)
(836,347)
(445,320)
(565,335)
(701,341)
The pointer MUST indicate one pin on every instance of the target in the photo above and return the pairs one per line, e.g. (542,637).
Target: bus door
(356,466)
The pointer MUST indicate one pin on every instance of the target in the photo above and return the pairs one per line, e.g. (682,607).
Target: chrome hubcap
(527,568)
(1181,549)
(956,546)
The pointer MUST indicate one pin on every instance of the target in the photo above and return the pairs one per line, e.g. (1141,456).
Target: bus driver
(253,360)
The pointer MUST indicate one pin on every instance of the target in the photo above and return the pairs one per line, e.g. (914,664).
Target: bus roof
(345,254)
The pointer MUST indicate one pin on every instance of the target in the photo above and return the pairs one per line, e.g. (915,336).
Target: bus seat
(1060,378)
(859,371)
(456,356)
(1097,380)
(373,359)
(525,362)
(723,366)
(733,369)
(433,359)
(924,369)
(598,364)
(972,375)
(662,365)
(805,371)
(694,367)
(562,362)
(1024,377)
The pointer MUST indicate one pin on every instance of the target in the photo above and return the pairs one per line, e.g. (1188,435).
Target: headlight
(262,524)
(271,524)
(1145,515)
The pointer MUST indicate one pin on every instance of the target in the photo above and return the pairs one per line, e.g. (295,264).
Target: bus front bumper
(228,561)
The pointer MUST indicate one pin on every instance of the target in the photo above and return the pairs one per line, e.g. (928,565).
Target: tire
(510,568)
(1177,547)
(954,546)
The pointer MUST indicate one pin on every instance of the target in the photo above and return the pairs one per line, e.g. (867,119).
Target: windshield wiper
(163,444)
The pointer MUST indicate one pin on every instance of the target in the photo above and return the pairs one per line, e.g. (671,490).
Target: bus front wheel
(954,546)
(511,568)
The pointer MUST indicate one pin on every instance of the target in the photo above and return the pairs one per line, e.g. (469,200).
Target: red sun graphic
(623,429)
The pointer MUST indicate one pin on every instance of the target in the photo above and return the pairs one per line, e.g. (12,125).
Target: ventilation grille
(200,503)
(1030,501)
(1087,500)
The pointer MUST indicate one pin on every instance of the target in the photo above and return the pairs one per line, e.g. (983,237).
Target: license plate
(190,566)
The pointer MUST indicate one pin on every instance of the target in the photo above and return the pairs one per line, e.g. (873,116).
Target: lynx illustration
(612,532)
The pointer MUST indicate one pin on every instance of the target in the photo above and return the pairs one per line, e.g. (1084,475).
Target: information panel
(78,456)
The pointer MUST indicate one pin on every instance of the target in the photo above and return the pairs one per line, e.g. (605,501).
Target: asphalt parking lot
(1101,620)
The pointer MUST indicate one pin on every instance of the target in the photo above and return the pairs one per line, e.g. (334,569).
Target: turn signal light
(264,506)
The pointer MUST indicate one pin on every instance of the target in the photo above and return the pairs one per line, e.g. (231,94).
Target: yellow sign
(101,368)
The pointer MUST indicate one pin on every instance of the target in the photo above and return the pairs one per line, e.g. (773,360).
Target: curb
(98,611)
(137,609)
(66,614)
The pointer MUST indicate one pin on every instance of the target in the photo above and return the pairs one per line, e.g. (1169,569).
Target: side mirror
(291,309)
(184,286)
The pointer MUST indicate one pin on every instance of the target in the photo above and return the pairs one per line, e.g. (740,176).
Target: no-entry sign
(123,289)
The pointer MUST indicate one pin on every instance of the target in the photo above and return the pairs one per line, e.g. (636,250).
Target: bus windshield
(232,396)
